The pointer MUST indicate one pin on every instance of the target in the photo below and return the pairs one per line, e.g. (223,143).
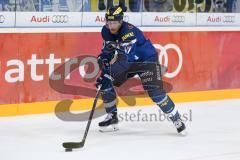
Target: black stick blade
(73,145)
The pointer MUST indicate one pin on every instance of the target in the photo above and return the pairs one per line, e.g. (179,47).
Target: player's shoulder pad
(128,26)
(128,31)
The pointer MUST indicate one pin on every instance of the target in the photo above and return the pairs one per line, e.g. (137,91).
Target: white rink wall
(98,29)
(93,19)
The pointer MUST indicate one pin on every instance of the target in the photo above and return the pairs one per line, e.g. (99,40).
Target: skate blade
(184,133)
(111,128)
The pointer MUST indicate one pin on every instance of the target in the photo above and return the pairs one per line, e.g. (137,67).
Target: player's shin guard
(109,100)
(111,121)
(168,107)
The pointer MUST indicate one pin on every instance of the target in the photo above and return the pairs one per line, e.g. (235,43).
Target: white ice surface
(214,134)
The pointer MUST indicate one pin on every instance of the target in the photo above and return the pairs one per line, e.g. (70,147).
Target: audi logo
(60,19)
(163,54)
(2,18)
(178,19)
(229,19)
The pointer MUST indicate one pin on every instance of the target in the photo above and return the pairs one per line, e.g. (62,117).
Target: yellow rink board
(86,104)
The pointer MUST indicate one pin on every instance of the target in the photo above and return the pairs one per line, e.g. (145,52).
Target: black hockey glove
(105,80)
(104,60)
(109,46)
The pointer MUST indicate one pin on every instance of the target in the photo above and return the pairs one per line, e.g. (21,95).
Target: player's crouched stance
(136,56)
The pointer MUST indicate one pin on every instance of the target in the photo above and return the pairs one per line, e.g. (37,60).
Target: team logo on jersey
(126,36)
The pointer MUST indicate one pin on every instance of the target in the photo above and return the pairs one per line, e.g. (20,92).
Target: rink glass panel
(220,6)
(148,13)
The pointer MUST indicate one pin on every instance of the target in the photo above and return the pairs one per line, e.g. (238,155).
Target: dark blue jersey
(130,41)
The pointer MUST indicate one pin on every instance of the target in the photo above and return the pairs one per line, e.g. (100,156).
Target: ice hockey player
(135,56)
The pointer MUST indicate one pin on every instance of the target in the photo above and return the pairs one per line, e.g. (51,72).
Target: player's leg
(118,72)
(152,83)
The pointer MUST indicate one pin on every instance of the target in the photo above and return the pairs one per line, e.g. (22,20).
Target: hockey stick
(73,145)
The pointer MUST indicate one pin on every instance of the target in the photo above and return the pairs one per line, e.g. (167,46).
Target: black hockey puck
(68,150)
